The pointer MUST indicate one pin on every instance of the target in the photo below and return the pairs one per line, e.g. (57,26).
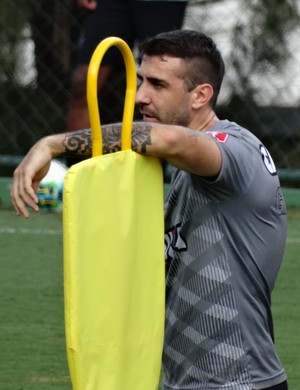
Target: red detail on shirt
(221,137)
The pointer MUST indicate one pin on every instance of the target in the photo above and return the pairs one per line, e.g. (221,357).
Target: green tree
(260,40)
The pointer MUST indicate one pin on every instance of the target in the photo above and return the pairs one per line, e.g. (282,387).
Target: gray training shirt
(225,241)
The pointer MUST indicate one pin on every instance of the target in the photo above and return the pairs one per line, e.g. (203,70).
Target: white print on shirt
(174,242)
(267,160)
(221,137)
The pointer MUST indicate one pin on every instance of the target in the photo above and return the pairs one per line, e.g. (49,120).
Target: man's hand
(36,164)
(89,4)
(28,176)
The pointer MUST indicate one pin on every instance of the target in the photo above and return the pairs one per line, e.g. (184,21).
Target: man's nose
(141,96)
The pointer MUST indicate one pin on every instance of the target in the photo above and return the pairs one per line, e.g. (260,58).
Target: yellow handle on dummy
(92,93)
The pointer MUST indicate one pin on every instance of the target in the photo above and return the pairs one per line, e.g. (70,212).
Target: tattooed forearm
(78,143)
(111,136)
(141,136)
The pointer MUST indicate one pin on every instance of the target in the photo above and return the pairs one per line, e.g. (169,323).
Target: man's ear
(201,95)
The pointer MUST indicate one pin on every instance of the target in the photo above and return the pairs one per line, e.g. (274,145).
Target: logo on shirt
(267,160)
(174,241)
(280,204)
(220,137)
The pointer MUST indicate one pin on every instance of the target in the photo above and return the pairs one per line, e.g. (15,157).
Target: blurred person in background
(131,20)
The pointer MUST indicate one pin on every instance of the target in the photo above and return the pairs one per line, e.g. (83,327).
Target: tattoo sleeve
(79,143)
(141,136)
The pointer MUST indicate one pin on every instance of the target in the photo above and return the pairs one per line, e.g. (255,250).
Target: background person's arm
(89,4)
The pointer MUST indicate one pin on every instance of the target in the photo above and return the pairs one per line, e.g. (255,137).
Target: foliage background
(258,38)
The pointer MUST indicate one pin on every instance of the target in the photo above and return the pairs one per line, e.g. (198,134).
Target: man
(225,218)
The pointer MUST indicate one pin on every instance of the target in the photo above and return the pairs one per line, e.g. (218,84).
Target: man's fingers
(28,175)
(23,195)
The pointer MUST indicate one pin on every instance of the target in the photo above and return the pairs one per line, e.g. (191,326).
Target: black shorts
(281,386)
(131,20)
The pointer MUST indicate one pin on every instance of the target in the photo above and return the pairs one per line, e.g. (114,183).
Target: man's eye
(158,85)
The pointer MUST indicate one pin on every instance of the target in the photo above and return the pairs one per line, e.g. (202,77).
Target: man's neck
(206,122)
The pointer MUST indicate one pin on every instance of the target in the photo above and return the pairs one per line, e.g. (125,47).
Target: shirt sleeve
(240,156)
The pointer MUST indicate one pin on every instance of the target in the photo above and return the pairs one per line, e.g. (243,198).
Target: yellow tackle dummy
(113,255)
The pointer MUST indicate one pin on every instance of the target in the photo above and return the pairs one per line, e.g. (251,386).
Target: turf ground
(32,344)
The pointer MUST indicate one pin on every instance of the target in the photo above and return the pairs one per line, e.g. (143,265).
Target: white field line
(293,240)
(47,232)
(55,232)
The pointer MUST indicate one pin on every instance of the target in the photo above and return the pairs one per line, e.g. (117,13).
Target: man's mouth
(147,117)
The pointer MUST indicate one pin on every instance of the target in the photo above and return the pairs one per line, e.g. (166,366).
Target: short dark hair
(204,63)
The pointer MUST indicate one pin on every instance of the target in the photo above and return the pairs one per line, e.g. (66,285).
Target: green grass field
(32,344)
